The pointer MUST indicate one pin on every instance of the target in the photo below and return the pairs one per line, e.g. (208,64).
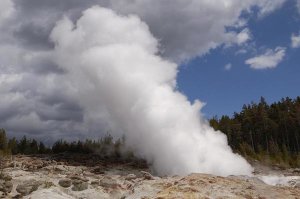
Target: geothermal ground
(89,176)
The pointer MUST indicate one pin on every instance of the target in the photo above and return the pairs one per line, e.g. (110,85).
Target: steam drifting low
(113,68)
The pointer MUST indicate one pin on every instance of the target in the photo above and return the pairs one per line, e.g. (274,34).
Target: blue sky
(225,91)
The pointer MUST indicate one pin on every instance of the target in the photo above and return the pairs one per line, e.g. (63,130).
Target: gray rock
(98,170)
(147,175)
(296,170)
(5,177)
(65,183)
(60,168)
(28,187)
(5,183)
(294,183)
(80,186)
(5,186)
(130,177)
(95,183)
(297,185)
(77,177)
(109,183)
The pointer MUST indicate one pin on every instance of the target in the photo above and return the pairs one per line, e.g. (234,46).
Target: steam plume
(114,70)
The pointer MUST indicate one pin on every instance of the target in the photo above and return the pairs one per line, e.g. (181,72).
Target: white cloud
(270,59)
(241,51)
(269,6)
(298,5)
(189,28)
(243,36)
(228,66)
(6,9)
(295,41)
(185,28)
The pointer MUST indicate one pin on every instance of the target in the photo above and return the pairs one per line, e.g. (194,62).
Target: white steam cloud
(114,70)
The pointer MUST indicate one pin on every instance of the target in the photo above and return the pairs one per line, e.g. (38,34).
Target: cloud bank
(185,28)
(6,9)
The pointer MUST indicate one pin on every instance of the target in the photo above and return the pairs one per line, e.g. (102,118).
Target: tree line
(106,146)
(269,133)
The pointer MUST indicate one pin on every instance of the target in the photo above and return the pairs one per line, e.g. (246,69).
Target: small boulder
(65,183)
(297,185)
(95,183)
(80,186)
(147,175)
(98,170)
(294,183)
(60,168)
(109,183)
(130,177)
(77,177)
(28,187)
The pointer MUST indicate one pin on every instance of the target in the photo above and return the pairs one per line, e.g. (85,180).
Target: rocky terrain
(89,176)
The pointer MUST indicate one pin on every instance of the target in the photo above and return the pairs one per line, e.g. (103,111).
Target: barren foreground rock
(84,176)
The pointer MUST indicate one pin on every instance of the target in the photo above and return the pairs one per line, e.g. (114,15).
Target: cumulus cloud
(185,29)
(243,36)
(183,38)
(298,5)
(270,59)
(295,41)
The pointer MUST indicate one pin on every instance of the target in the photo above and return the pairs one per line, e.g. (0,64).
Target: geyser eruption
(114,69)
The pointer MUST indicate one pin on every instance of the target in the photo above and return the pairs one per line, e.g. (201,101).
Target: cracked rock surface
(62,176)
